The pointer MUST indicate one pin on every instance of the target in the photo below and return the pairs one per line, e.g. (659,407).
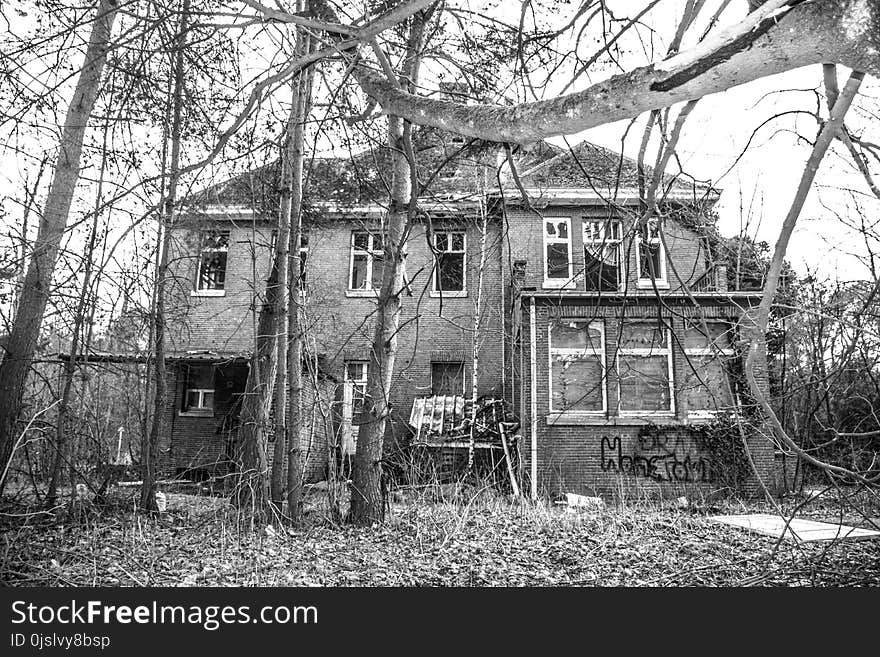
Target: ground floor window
(447,378)
(705,385)
(644,368)
(199,391)
(354,393)
(577,366)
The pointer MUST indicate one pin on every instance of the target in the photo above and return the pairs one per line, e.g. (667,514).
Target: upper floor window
(602,255)
(705,387)
(577,366)
(449,266)
(198,394)
(211,270)
(365,267)
(557,251)
(651,255)
(644,368)
(447,378)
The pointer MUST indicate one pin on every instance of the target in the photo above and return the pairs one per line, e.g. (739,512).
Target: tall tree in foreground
(150,442)
(22,342)
(367,498)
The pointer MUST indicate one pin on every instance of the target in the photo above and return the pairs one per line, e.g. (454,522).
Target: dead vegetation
(478,540)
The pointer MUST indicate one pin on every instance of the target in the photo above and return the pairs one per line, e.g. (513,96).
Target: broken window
(447,378)
(199,390)
(602,255)
(644,368)
(577,363)
(449,268)
(651,254)
(211,274)
(557,251)
(367,252)
(705,384)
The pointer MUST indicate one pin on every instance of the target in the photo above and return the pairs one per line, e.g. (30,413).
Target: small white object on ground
(82,492)
(583,501)
(682,502)
(270,531)
(161,501)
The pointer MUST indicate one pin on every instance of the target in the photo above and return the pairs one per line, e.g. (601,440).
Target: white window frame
(211,292)
(600,240)
(201,409)
(621,351)
(557,282)
(662,281)
(435,278)
(370,252)
(303,262)
(714,351)
(350,429)
(551,352)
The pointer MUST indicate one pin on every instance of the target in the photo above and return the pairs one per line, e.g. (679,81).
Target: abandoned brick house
(589,331)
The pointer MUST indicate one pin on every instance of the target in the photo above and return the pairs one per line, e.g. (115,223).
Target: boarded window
(367,252)
(447,378)
(199,391)
(644,367)
(705,386)
(450,253)
(577,366)
(211,274)
(602,255)
(557,251)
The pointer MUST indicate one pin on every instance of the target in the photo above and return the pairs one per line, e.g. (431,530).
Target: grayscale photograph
(435,293)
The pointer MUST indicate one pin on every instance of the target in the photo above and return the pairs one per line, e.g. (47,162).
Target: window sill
(459,294)
(207,293)
(567,284)
(371,293)
(645,284)
(205,413)
(603,420)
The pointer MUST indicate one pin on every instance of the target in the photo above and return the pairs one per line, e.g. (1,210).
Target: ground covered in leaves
(485,542)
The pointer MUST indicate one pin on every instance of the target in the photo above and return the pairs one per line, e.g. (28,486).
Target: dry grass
(433,537)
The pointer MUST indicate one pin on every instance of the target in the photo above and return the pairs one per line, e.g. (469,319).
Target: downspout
(533,414)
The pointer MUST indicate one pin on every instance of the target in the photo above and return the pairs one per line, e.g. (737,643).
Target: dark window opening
(447,378)
(212,262)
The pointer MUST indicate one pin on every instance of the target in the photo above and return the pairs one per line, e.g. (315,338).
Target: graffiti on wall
(656,456)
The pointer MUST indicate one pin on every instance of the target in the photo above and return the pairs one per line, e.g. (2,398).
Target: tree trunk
(367,498)
(158,429)
(295,346)
(35,290)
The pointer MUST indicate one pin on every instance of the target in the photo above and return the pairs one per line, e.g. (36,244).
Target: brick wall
(589,454)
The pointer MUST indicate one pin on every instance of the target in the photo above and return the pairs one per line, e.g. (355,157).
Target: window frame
(435,275)
(663,280)
(644,353)
(551,352)
(349,442)
(370,252)
(557,283)
(602,243)
(201,410)
(211,292)
(722,354)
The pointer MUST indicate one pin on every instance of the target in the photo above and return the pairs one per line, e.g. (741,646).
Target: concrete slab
(799,530)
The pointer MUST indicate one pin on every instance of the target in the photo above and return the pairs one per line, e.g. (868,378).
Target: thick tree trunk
(35,290)
(367,496)
(295,345)
(158,429)
(367,500)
